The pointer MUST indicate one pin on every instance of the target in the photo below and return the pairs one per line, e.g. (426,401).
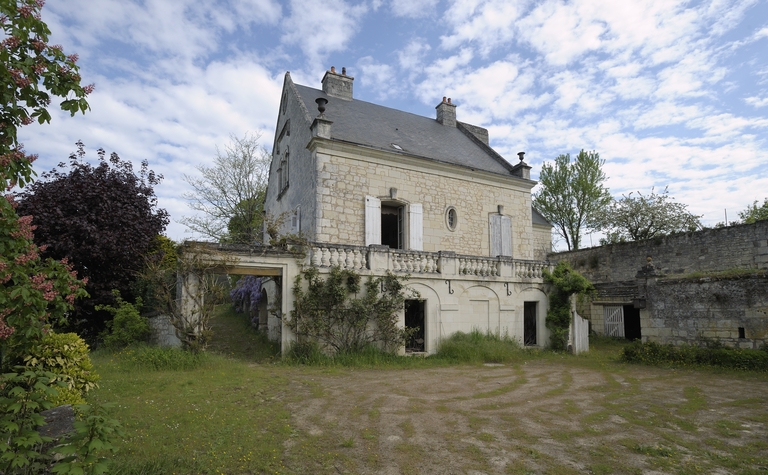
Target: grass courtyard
(240,411)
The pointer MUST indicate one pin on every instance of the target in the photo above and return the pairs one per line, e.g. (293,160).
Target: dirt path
(542,416)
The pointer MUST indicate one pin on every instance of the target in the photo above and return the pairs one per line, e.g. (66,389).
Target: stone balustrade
(479,266)
(414,262)
(443,264)
(346,257)
(530,269)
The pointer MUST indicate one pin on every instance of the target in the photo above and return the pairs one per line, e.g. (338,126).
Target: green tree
(229,195)
(639,217)
(33,292)
(755,213)
(572,194)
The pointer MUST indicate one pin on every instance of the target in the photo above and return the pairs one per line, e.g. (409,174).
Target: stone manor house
(376,189)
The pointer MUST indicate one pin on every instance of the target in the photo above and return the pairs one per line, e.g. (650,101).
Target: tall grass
(479,347)
(472,348)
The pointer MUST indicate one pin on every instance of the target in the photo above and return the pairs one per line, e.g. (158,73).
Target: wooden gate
(613,317)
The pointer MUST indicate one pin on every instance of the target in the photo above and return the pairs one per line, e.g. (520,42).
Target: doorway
(392,226)
(529,323)
(631,322)
(414,318)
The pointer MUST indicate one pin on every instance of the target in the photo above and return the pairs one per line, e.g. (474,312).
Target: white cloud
(414,8)
(756,101)
(378,77)
(411,58)
(321,28)
(486,24)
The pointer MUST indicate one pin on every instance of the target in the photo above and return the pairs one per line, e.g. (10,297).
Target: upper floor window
(394,224)
(283,171)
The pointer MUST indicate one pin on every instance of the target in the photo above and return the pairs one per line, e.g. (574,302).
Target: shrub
(67,356)
(655,354)
(127,326)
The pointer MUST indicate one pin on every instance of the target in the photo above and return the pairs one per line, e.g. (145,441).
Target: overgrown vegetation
(127,326)
(479,347)
(734,273)
(687,355)
(35,293)
(197,266)
(566,282)
(331,312)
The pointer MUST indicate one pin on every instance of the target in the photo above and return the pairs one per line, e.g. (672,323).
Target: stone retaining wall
(743,246)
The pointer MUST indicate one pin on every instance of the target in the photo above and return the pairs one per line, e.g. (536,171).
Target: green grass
(227,411)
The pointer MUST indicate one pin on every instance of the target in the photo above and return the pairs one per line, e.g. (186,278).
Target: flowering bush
(246,295)
(34,293)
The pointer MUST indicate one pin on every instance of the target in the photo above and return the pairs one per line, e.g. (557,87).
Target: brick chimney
(338,85)
(446,113)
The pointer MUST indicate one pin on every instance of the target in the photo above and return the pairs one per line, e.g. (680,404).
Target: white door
(613,316)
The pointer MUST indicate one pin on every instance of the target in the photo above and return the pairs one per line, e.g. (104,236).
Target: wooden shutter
(500,229)
(506,236)
(372,220)
(416,231)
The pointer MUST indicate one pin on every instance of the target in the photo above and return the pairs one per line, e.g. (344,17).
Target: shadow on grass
(235,337)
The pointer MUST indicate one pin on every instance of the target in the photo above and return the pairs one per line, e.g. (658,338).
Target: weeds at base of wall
(475,347)
(655,354)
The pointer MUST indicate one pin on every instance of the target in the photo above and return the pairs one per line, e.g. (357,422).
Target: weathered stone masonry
(679,307)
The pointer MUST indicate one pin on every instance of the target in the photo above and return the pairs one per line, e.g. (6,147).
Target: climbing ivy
(565,282)
(341,316)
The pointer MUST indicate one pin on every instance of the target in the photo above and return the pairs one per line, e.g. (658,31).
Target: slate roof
(376,126)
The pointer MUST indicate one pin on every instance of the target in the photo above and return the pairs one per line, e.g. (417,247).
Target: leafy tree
(104,219)
(229,195)
(572,193)
(34,292)
(635,218)
(755,213)
(327,313)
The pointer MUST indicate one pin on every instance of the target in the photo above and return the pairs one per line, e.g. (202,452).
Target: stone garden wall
(704,289)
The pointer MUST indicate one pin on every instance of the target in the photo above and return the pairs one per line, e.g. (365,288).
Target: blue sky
(669,93)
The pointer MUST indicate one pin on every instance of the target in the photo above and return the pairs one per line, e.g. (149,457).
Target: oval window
(451,218)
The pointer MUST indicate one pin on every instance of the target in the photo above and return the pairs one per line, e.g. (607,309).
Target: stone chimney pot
(338,85)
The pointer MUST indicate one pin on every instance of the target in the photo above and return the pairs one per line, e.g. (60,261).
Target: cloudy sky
(669,93)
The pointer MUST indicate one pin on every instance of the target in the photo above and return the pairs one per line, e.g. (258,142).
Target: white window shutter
(506,236)
(494,229)
(500,229)
(372,220)
(416,228)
